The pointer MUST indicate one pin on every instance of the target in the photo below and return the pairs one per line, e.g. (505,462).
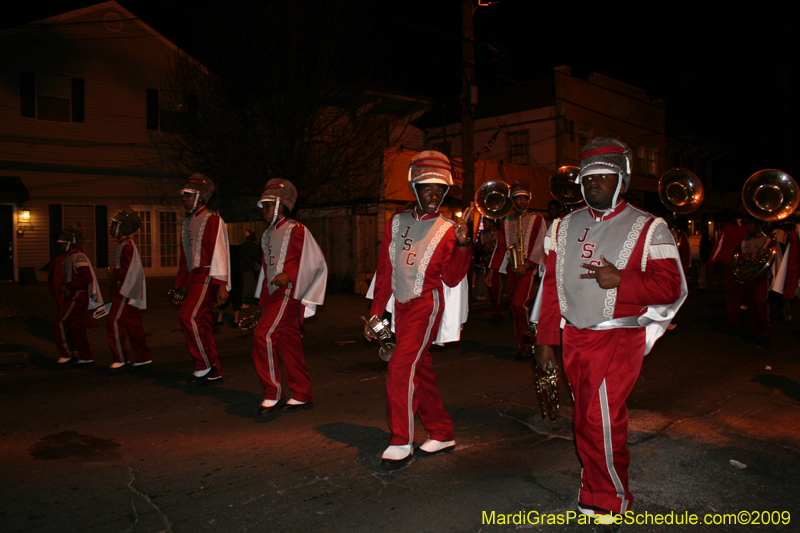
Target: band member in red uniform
(422,255)
(613,282)
(519,280)
(729,238)
(128,297)
(787,281)
(79,292)
(756,290)
(291,285)
(203,277)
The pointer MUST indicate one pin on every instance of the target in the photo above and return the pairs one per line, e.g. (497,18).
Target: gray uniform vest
(275,243)
(72,263)
(413,244)
(579,238)
(192,238)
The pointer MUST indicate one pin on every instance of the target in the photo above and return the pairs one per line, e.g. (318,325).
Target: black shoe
(291,408)
(264,412)
(211,375)
(396,464)
(419,452)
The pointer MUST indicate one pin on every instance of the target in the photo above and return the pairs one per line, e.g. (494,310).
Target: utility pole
(468,101)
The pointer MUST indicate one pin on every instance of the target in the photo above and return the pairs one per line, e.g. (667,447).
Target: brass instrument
(102,311)
(380,326)
(547,389)
(517,250)
(681,191)
(246,324)
(178,293)
(493,200)
(563,185)
(769,195)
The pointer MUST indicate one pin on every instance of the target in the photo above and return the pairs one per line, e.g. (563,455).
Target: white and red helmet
(430,167)
(606,155)
(199,185)
(279,189)
(127,222)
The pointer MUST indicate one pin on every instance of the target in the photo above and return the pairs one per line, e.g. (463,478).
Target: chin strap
(116,230)
(419,203)
(614,201)
(275,213)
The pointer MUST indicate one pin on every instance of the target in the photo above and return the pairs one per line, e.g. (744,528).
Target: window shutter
(152,109)
(27,93)
(55,227)
(101,235)
(78,105)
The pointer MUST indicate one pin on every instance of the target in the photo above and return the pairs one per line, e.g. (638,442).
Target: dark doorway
(6,243)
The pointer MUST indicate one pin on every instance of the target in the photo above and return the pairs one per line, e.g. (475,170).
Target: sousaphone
(493,200)
(563,186)
(682,192)
(769,195)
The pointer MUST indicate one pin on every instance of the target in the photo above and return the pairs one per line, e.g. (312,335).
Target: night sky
(727,76)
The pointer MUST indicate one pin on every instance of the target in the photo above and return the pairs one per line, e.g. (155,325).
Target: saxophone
(517,250)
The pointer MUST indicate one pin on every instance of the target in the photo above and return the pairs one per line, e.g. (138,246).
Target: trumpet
(246,324)
(380,326)
(178,293)
(547,389)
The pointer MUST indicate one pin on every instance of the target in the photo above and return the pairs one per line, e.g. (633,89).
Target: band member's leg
(520,298)
(197,327)
(494,294)
(265,347)
(416,322)
(733,299)
(602,368)
(132,318)
(290,350)
(756,293)
(115,331)
(436,420)
(61,328)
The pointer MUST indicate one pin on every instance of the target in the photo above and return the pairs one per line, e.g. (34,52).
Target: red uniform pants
(494,293)
(754,295)
(69,328)
(277,335)
(411,383)
(602,368)
(519,293)
(196,323)
(733,299)
(126,320)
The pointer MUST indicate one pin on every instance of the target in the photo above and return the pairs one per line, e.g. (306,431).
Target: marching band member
(613,282)
(79,292)
(729,238)
(787,282)
(519,280)
(128,295)
(290,287)
(203,277)
(421,253)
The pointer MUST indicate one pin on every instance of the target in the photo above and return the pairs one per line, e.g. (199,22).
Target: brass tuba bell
(563,186)
(493,200)
(768,195)
(681,191)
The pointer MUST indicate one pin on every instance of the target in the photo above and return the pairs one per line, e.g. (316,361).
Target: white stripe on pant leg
(268,338)
(116,333)
(63,331)
(193,319)
(609,451)
(431,321)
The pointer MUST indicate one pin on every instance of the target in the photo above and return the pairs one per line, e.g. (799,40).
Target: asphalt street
(714,433)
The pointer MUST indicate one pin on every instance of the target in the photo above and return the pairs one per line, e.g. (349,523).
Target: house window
(52,97)
(143,238)
(166,111)
(646,160)
(168,237)
(519,148)
(82,217)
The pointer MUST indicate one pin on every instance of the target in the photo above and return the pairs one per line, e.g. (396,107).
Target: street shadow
(20,355)
(718,323)
(788,387)
(238,403)
(40,328)
(370,441)
(497,351)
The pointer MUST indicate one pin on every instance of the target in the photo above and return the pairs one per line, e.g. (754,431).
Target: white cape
(135,285)
(221,262)
(455,313)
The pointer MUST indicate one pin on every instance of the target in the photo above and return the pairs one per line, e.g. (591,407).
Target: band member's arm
(536,244)
(659,284)
(458,265)
(549,326)
(383,276)
(126,256)
(81,277)
(182,279)
(210,247)
(792,259)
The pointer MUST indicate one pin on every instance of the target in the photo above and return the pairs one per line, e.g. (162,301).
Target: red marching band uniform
(203,269)
(289,249)
(128,297)
(74,286)
(605,333)
(519,287)
(729,239)
(419,261)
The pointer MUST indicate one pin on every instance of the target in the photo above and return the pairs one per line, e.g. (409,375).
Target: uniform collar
(599,216)
(121,239)
(423,217)
(281,222)
(200,210)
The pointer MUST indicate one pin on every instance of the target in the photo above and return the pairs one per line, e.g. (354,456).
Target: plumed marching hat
(279,189)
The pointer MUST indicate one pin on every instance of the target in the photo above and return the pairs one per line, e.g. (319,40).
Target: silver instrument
(493,200)
(102,311)
(681,191)
(547,389)
(381,328)
(563,186)
(178,293)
